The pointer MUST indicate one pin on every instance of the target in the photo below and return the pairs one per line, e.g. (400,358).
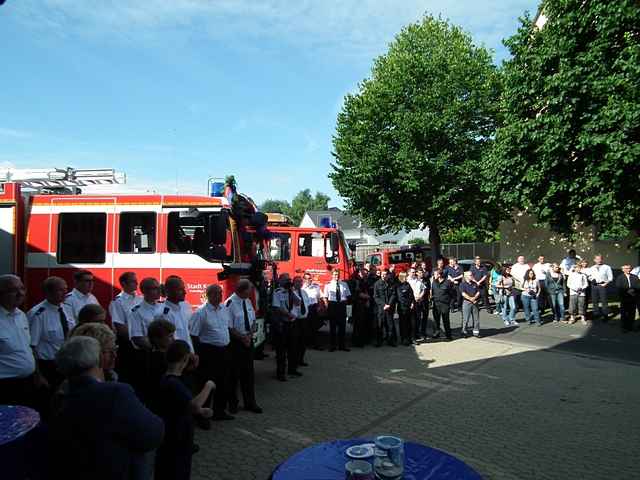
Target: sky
(172,92)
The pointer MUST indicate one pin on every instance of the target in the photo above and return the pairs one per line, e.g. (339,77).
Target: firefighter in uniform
(336,296)
(286,308)
(81,294)
(242,328)
(119,310)
(303,322)
(50,322)
(385,298)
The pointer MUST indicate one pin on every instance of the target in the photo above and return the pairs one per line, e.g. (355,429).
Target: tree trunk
(434,240)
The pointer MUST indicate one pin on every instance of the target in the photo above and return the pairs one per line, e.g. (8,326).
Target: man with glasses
(81,294)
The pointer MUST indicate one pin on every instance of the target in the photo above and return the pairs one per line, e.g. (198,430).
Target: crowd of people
(126,395)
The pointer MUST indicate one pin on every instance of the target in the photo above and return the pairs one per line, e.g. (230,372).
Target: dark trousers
(173,463)
(304,329)
(285,339)
(215,363)
(337,321)
(422,319)
(404,319)
(359,338)
(484,295)
(241,373)
(390,326)
(441,312)
(599,296)
(311,326)
(18,391)
(125,361)
(628,313)
(379,324)
(542,299)
(49,371)
(456,299)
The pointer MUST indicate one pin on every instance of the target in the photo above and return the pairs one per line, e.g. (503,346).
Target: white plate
(360,451)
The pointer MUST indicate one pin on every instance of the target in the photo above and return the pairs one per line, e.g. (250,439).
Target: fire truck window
(331,256)
(280,247)
(137,232)
(82,237)
(375,260)
(310,245)
(188,232)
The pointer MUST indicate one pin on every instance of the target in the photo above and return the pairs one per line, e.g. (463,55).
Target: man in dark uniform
(455,273)
(385,298)
(406,309)
(372,311)
(285,305)
(628,287)
(441,293)
(336,296)
(480,276)
(360,308)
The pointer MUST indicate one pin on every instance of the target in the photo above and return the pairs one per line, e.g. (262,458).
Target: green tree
(275,206)
(408,145)
(304,201)
(568,148)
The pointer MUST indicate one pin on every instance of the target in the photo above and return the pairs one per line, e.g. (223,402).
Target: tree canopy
(568,147)
(408,145)
(302,202)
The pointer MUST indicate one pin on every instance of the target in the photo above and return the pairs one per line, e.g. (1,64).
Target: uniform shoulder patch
(228,302)
(166,310)
(68,295)
(40,310)
(135,308)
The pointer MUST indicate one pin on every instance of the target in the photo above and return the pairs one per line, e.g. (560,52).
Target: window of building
(137,232)
(280,247)
(82,237)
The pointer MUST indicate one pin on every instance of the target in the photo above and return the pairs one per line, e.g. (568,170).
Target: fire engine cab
(47,227)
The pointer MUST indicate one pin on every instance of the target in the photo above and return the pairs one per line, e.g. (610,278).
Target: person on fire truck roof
(81,294)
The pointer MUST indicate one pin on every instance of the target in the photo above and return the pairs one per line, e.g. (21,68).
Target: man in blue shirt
(454,274)
(480,276)
(470,312)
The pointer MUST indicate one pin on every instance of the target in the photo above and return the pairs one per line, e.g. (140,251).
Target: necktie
(303,309)
(338,297)
(247,326)
(63,322)
(290,300)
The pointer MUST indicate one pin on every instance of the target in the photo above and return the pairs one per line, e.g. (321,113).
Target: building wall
(522,237)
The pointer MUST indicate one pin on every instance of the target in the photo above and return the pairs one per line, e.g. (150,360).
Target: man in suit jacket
(101,431)
(628,286)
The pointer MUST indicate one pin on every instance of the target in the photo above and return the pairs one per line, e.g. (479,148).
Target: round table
(326,461)
(16,422)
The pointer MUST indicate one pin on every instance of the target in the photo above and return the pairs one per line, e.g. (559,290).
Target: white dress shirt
(304,300)
(141,317)
(314,293)
(330,291)
(541,269)
(600,274)
(76,300)
(211,325)
(281,300)
(518,271)
(234,303)
(180,315)
(567,263)
(16,357)
(47,335)
(121,306)
(417,286)
(577,283)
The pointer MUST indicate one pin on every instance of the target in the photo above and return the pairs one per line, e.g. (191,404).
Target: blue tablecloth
(17,441)
(326,461)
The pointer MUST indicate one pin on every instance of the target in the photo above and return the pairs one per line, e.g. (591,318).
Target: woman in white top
(577,282)
(530,295)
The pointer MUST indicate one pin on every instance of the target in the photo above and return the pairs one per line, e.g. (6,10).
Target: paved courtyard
(551,402)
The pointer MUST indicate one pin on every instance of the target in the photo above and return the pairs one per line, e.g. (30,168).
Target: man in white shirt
(242,328)
(421,313)
(286,310)
(540,269)
(81,294)
(18,374)
(314,294)
(178,311)
(577,284)
(210,333)
(141,315)
(119,310)
(600,276)
(336,296)
(569,262)
(302,321)
(50,322)
(518,270)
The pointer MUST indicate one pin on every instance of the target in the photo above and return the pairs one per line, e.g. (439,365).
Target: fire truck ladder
(61,180)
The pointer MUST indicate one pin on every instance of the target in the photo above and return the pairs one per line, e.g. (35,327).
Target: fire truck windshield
(191,231)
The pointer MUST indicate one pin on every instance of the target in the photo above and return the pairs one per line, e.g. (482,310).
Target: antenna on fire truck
(61,180)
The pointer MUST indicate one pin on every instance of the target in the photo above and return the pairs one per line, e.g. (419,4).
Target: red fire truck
(318,251)
(49,228)
(401,257)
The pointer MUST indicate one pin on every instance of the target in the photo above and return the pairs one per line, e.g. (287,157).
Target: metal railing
(489,251)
